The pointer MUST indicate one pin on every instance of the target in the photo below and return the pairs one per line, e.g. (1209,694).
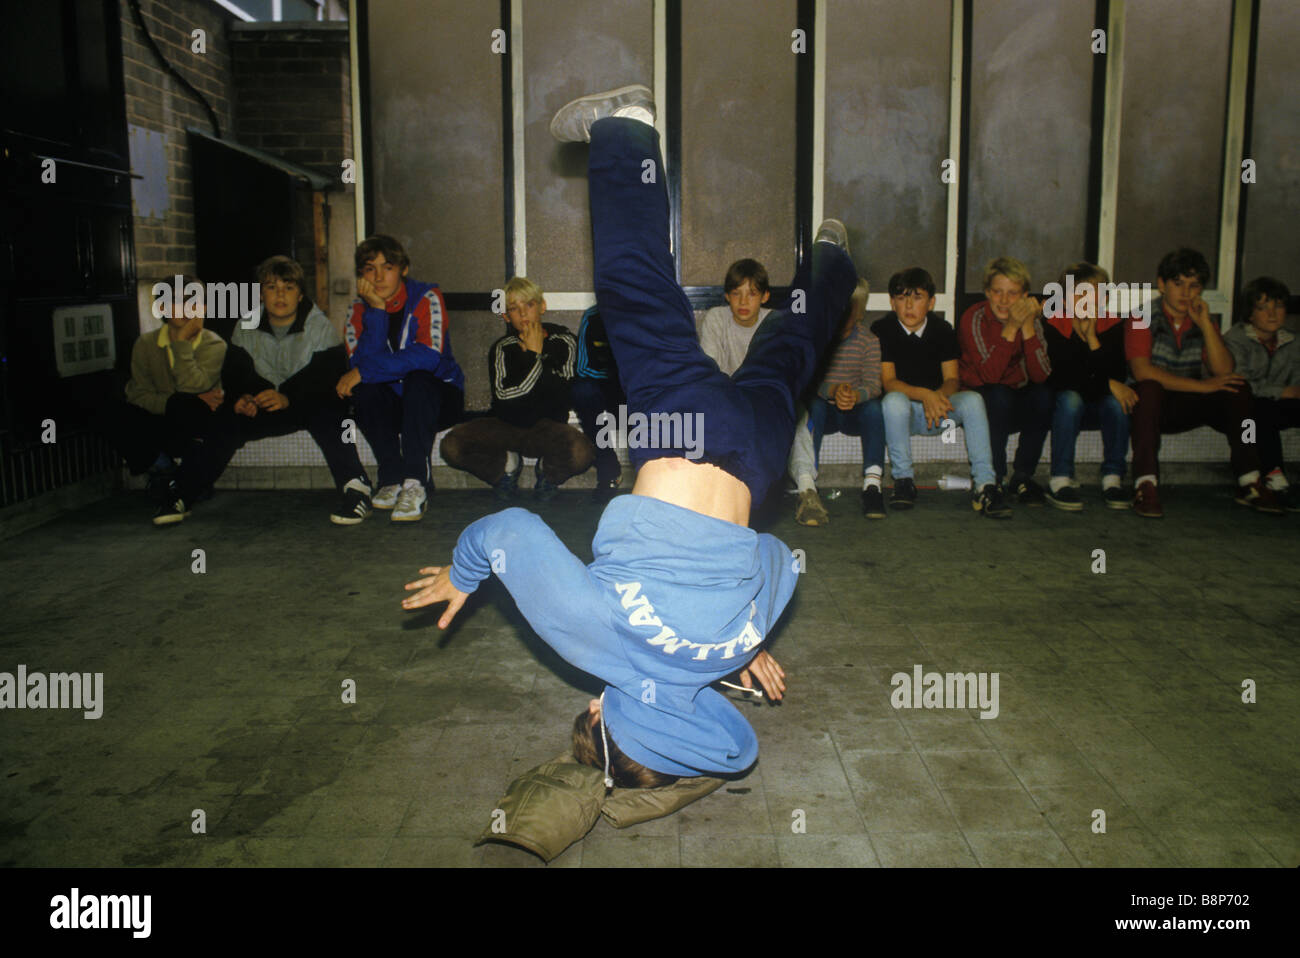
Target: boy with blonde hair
(1004,359)
(531,368)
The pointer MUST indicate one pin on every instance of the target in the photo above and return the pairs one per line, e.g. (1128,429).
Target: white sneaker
(411,502)
(833,231)
(386,497)
(572,123)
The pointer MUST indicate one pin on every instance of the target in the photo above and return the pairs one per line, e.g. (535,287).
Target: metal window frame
(1103,187)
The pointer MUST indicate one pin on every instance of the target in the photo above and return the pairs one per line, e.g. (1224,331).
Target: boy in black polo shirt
(919,353)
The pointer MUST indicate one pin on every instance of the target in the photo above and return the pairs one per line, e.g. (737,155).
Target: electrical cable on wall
(148,38)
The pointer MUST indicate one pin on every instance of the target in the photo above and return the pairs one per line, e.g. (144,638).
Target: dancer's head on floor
(588,749)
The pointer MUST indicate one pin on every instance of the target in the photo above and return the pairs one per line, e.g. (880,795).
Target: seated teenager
(284,369)
(919,353)
(848,401)
(174,410)
(681,592)
(1004,359)
(727,331)
(404,382)
(1185,378)
(1268,359)
(596,389)
(725,336)
(530,367)
(1086,350)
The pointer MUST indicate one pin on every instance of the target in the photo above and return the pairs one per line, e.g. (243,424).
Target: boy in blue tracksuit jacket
(403,380)
(680,592)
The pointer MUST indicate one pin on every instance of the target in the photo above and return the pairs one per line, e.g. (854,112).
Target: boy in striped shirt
(848,401)
(1185,378)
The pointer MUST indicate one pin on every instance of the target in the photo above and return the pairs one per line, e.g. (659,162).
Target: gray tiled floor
(1118,692)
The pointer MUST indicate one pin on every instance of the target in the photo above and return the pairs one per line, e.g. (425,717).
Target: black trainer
(1068,498)
(354,505)
(543,489)
(904,494)
(507,487)
(873,503)
(1116,498)
(990,502)
(1027,492)
(173,508)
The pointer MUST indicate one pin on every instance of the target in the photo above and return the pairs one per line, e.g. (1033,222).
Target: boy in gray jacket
(283,371)
(1268,358)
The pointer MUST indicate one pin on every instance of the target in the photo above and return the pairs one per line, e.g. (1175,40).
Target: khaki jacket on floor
(550,807)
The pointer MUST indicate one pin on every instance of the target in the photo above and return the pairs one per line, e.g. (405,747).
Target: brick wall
(154,100)
(292,94)
(293,99)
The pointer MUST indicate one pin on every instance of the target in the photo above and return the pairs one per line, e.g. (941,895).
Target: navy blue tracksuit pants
(748,418)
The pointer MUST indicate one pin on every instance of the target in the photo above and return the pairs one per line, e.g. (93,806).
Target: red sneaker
(1146,502)
(1260,498)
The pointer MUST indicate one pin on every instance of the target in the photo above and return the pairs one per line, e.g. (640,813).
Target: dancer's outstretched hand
(436,588)
(770,675)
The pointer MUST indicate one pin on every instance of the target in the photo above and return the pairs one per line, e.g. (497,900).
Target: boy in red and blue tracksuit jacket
(405,384)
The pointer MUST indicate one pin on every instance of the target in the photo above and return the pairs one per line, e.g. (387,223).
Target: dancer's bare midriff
(700,487)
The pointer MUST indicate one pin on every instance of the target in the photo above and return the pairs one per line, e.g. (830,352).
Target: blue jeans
(748,419)
(1024,409)
(1072,414)
(905,418)
(401,428)
(864,420)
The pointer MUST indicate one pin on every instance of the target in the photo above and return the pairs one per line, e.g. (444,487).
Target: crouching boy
(531,367)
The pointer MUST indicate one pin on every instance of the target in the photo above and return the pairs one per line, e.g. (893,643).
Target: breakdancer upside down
(680,592)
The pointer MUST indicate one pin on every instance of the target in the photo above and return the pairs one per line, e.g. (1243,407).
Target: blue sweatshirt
(672,602)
